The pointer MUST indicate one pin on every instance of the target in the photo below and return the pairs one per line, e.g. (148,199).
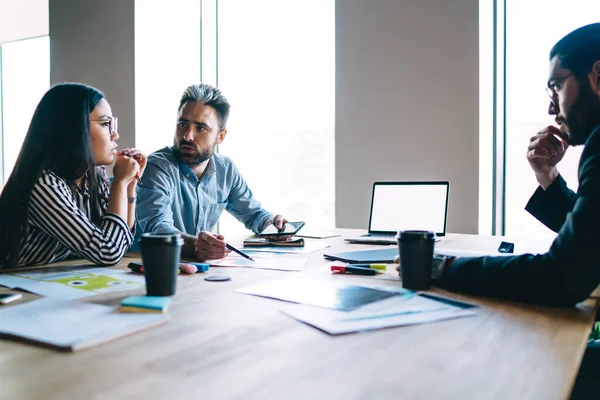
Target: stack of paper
(262,261)
(72,282)
(70,325)
(338,307)
(394,311)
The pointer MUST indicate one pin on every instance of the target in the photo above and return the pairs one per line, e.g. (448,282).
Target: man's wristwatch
(439,263)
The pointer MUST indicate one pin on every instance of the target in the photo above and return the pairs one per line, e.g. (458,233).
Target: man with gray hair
(186,187)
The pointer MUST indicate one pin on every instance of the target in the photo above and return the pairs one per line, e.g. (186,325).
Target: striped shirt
(60,225)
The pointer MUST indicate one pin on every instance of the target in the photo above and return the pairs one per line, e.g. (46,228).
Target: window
(274,61)
(532,28)
(167,60)
(25,77)
(276,67)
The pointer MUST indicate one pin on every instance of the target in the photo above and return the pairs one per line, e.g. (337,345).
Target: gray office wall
(406,102)
(92,42)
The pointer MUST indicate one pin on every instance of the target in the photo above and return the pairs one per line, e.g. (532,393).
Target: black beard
(190,159)
(583,116)
(193,159)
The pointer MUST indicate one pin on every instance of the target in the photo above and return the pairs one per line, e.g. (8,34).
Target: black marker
(230,247)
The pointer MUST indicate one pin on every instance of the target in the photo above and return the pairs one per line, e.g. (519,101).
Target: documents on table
(469,253)
(329,294)
(310,246)
(339,307)
(69,324)
(72,282)
(398,310)
(316,234)
(266,261)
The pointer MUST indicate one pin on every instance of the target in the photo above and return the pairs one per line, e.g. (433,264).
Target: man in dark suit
(570,271)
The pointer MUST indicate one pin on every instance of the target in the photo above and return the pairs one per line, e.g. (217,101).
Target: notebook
(364,256)
(70,325)
(399,206)
(262,242)
(145,304)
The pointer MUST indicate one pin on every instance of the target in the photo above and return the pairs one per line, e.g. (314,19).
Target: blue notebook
(365,256)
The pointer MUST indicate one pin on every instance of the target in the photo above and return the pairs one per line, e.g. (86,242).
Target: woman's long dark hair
(59,140)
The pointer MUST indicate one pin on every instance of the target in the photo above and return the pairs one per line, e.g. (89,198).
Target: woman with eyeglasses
(58,201)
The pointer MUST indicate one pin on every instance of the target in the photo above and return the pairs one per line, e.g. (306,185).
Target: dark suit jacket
(570,271)
(551,206)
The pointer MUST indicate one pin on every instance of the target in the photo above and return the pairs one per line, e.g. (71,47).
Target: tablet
(289,229)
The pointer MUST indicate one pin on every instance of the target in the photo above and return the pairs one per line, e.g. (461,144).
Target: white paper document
(310,246)
(470,253)
(72,282)
(398,310)
(262,261)
(316,234)
(321,293)
(69,324)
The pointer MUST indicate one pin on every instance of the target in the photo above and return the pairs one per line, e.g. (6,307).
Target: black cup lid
(416,235)
(156,238)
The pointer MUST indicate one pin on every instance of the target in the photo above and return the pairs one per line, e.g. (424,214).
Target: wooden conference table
(224,345)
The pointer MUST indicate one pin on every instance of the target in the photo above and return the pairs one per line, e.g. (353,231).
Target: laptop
(397,206)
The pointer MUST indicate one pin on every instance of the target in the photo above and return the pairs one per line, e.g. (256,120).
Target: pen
(380,267)
(354,270)
(241,253)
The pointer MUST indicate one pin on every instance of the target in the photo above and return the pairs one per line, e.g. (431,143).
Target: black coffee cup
(160,257)
(416,258)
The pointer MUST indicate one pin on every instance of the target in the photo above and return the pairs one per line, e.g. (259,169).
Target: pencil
(241,253)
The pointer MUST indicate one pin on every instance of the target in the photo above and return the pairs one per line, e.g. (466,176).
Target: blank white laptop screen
(408,206)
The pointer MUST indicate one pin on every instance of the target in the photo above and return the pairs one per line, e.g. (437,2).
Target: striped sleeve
(104,186)
(53,210)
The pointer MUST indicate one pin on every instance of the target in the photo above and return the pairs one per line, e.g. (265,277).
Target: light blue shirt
(171,198)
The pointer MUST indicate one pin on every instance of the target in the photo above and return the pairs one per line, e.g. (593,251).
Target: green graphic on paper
(91,282)
(84,282)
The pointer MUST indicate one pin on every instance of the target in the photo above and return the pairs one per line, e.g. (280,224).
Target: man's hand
(279,222)
(546,149)
(210,247)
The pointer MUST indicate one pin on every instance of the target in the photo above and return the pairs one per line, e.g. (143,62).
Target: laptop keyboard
(380,235)
(390,236)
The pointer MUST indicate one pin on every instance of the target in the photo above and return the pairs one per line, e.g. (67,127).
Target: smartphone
(289,229)
(6,298)
(506,247)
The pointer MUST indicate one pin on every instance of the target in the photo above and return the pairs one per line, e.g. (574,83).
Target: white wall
(23,19)
(92,42)
(406,102)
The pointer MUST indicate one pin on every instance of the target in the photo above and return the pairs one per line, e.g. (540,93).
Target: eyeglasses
(113,123)
(554,87)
